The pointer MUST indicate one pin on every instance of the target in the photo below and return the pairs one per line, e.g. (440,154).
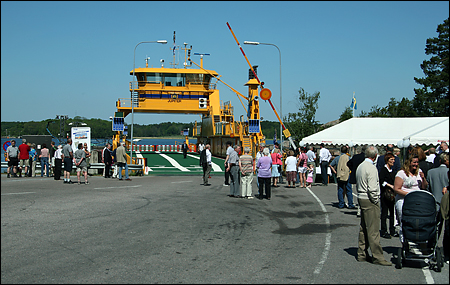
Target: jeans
(348,188)
(121,165)
(44,162)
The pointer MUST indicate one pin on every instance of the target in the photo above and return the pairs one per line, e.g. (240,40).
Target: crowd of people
(22,161)
(381,181)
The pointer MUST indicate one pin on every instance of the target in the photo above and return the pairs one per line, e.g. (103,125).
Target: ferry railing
(124,102)
(135,85)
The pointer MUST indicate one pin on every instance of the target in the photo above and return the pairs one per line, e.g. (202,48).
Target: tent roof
(383,131)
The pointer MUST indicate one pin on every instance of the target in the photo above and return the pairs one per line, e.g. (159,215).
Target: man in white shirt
(324,158)
(205,162)
(227,174)
(432,154)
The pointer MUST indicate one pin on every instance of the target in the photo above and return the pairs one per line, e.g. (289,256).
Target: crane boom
(285,131)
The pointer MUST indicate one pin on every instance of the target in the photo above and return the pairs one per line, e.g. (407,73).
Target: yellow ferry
(193,90)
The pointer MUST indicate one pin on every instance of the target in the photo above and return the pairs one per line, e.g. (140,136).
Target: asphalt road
(171,229)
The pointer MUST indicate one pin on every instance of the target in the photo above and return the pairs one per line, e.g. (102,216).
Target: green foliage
(433,98)
(103,128)
(347,114)
(303,123)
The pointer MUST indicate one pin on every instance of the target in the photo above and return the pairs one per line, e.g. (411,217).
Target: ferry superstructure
(192,89)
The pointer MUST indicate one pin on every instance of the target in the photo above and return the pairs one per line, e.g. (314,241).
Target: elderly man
(368,187)
(438,179)
(233,169)
(342,174)
(121,157)
(443,148)
(205,163)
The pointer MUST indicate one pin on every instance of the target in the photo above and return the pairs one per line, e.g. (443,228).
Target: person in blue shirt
(32,154)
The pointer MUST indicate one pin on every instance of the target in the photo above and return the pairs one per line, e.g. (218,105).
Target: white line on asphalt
(428,276)
(119,187)
(326,249)
(181,182)
(18,193)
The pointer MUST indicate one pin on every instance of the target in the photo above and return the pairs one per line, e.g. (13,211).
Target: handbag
(389,194)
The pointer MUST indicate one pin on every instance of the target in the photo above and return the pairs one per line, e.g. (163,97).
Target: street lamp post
(132,94)
(281,100)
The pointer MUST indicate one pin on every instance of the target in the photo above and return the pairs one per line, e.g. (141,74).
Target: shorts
(68,164)
(13,161)
(302,169)
(81,168)
(24,162)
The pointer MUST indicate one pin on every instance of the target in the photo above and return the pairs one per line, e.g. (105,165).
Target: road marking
(215,167)
(18,193)
(428,276)
(139,155)
(181,182)
(174,162)
(118,187)
(327,246)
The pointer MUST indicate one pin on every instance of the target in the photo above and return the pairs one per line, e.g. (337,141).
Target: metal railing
(91,166)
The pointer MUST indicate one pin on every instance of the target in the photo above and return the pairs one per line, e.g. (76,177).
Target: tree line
(102,129)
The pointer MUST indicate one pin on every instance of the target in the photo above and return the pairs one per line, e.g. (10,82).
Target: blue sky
(74,58)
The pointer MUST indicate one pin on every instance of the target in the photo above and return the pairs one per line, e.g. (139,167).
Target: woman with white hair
(247,167)
(264,173)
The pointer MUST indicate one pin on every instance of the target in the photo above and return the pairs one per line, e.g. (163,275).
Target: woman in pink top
(276,166)
(302,167)
(409,178)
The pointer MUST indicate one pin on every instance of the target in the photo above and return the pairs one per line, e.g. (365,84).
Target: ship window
(140,77)
(174,79)
(198,79)
(154,77)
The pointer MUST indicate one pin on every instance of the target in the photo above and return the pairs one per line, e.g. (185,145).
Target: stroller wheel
(439,260)
(399,258)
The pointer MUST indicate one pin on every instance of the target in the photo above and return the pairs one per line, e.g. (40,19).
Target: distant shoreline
(165,138)
(162,138)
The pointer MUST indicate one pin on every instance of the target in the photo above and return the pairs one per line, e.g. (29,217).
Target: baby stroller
(419,227)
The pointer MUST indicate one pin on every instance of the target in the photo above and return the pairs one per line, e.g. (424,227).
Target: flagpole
(353,100)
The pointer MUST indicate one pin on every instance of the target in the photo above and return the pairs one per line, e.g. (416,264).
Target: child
(310,170)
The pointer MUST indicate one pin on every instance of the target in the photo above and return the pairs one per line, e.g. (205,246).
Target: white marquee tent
(382,131)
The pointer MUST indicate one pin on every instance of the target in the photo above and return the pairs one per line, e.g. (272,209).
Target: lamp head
(162,42)
(251,43)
